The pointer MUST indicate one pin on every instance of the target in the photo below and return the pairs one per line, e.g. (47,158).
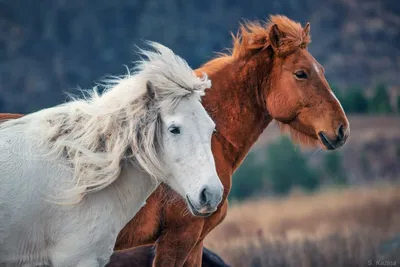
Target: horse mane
(96,133)
(254,36)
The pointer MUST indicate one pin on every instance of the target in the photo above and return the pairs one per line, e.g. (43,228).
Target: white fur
(316,68)
(101,157)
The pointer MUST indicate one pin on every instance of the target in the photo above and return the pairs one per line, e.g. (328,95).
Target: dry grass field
(348,227)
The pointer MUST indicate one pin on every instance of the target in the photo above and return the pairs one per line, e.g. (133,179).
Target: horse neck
(129,192)
(235,102)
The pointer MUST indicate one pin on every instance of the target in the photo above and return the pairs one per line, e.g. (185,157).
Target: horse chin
(194,211)
(301,138)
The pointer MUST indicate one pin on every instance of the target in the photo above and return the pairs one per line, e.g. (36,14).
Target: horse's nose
(336,139)
(205,196)
(210,197)
(342,133)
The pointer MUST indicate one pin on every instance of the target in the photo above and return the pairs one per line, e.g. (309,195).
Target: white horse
(73,175)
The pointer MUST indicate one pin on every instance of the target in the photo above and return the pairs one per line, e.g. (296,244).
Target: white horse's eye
(174,130)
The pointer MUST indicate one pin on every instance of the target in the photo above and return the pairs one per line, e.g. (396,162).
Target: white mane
(94,135)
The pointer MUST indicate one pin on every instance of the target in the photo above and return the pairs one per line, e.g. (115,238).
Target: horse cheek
(282,107)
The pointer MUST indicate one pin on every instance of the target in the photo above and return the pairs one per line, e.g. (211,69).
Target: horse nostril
(205,195)
(341,132)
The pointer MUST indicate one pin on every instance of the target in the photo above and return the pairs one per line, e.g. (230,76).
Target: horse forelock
(96,133)
(170,74)
(253,36)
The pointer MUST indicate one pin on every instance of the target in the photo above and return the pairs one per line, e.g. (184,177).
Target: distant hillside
(51,46)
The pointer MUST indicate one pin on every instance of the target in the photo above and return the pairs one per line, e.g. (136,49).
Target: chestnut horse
(269,75)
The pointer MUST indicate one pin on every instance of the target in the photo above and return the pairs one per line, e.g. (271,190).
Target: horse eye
(301,75)
(174,130)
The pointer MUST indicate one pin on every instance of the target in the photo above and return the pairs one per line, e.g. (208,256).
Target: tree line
(354,100)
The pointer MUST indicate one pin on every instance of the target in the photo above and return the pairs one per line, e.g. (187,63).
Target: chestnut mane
(253,37)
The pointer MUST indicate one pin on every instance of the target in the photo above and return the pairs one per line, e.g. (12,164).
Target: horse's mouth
(194,210)
(329,144)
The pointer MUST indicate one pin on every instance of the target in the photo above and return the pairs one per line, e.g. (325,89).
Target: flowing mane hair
(96,133)
(253,37)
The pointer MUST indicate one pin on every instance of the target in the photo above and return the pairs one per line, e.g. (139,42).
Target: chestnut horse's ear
(275,36)
(306,30)
(151,92)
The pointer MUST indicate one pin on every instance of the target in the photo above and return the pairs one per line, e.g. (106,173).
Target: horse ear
(275,35)
(306,30)
(151,92)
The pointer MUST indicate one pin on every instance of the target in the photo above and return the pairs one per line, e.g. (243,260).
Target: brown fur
(254,36)
(251,87)
(9,116)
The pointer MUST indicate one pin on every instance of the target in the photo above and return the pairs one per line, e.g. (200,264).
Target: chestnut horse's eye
(302,75)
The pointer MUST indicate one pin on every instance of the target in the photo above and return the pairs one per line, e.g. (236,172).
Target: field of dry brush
(347,227)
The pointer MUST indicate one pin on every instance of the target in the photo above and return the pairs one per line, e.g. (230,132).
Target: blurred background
(288,207)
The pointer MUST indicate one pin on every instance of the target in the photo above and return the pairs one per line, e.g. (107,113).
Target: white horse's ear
(151,91)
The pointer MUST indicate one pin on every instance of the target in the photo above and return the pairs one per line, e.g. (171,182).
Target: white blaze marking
(333,94)
(316,68)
